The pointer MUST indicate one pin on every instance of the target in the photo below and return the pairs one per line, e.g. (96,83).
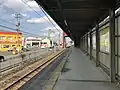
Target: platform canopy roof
(76,17)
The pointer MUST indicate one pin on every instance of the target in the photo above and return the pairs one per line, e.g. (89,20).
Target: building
(8,40)
(46,43)
(31,42)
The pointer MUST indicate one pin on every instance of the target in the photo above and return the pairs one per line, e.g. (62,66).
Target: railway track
(18,64)
(12,69)
(20,78)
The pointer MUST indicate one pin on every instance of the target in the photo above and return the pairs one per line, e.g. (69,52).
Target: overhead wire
(15,24)
(15,30)
(48,19)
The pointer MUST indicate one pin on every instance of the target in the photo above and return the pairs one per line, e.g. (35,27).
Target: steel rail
(18,80)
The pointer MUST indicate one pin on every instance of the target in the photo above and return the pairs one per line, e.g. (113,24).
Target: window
(9,37)
(13,45)
(104,39)
(45,43)
(5,46)
(19,38)
(94,40)
(2,37)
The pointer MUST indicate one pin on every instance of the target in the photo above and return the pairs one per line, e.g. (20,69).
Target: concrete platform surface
(80,73)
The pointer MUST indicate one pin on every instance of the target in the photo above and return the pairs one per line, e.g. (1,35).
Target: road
(10,55)
(5,53)
(29,56)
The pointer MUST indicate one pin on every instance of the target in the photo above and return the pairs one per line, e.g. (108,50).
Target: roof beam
(104,3)
(78,9)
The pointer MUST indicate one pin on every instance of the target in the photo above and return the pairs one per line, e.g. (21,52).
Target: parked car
(2,58)
(25,49)
(10,49)
(51,48)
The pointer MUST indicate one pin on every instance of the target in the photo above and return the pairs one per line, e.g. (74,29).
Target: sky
(32,19)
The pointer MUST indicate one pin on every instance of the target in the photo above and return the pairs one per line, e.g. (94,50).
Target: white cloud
(16,5)
(53,29)
(50,27)
(53,35)
(37,20)
(20,6)
(44,20)
(41,20)
(24,15)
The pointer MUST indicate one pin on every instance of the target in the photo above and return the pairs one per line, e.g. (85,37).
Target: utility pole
(18,17)
(49,33)
(59,34)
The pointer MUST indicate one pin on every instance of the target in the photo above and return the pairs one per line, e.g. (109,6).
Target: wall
(7,40)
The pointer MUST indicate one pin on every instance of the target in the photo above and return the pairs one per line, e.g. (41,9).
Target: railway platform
(80,73)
